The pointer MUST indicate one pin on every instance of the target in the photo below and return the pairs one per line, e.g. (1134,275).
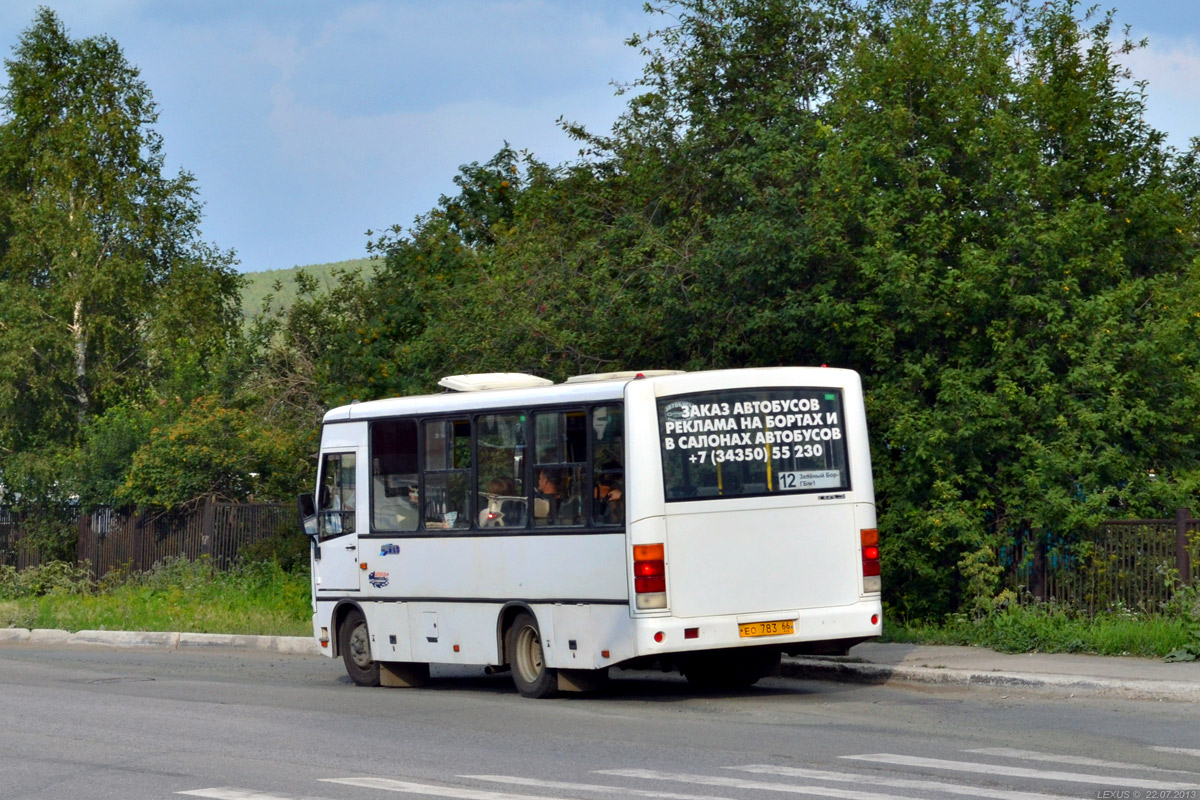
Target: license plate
(781,627)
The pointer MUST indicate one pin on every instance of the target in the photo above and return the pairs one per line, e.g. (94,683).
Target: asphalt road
(84,722)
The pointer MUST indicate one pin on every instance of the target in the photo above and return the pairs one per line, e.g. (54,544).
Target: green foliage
(1016,283)
(287,548)
(1185,606)
(176,595)
(1046,628)
(104,456)
(109,294)
(212,451)
(958,198)
(58,578)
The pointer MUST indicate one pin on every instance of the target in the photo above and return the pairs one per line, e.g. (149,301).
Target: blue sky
(305,123)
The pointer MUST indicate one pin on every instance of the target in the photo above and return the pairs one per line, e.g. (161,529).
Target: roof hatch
(481,381)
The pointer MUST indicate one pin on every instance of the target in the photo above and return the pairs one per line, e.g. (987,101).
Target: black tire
(730,669)
(354,641)
(529,671)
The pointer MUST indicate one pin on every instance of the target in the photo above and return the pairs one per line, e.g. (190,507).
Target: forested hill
(259,284)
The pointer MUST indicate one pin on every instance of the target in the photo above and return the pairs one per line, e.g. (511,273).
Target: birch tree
(106,284)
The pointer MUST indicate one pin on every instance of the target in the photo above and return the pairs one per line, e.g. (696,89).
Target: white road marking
(461,793)
(231,793)
(1017,772)
(738,783)
(1033,755)
(895,783)
(1187,751)
(591,787)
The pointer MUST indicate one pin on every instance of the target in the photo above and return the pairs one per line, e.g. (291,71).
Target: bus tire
(529,671)
(355,643)
(730,669)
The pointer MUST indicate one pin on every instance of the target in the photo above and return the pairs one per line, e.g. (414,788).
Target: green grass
(1045,629)
(176,596)
(262,597)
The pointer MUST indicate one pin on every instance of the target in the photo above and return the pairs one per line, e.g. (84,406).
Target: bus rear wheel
(529,671)
(355,644)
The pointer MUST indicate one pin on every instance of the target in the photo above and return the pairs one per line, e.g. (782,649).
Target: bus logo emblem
(378,579)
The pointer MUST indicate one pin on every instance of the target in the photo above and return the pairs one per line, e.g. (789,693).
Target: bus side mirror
(308,514)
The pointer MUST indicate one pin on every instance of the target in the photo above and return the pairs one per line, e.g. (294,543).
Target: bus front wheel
(530,673)
(355,644)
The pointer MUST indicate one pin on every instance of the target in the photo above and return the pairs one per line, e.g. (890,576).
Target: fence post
(1183,559)
(1038,577)
(207,523)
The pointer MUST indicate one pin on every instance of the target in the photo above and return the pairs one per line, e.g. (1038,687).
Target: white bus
(702,521)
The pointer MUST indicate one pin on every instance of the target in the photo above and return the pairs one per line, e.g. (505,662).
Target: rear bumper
(811,626)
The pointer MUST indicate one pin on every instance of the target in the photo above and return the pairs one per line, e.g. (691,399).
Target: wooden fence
(109,539)
(1132,564)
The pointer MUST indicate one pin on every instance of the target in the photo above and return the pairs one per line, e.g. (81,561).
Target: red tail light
(870,559)
(650,575)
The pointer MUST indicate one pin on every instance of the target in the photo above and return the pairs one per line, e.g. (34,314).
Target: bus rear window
(747,442)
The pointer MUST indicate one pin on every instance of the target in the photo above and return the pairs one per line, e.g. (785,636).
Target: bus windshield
(747,442)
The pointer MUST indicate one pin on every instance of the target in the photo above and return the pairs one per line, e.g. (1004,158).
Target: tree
(958,198)
(108,288)
(209,450)
(1008,259)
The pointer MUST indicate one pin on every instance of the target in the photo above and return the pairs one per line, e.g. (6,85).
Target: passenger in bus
(609,507)
(552,503)
(504,507)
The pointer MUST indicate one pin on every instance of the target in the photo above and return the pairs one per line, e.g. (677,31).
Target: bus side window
(335,509)
(501,473)
(560,443)
(446,498)
(395,502)
(608,465)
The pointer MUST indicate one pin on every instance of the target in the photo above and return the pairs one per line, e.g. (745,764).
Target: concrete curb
(865,672)
(289,645)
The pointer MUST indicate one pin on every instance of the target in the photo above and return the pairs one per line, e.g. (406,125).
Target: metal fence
(136,540)
(1132,564)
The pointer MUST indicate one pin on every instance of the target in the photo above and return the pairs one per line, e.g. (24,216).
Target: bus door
(338,519)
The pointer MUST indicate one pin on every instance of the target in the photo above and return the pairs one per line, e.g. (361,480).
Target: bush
(51,578)
(287,547)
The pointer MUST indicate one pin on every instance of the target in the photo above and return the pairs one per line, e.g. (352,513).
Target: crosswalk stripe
(232,793)
(738,783)
(590,787)
(459,792)
(1186,751)
(1016,772)
(1033,755)
(895,783)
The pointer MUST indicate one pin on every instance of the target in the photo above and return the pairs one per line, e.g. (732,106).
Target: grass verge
(261,597)
(176,596)
(1046,629)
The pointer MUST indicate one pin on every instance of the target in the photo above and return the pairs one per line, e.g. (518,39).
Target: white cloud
(1170,67)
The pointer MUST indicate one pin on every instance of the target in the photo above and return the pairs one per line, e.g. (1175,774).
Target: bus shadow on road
(626,686)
